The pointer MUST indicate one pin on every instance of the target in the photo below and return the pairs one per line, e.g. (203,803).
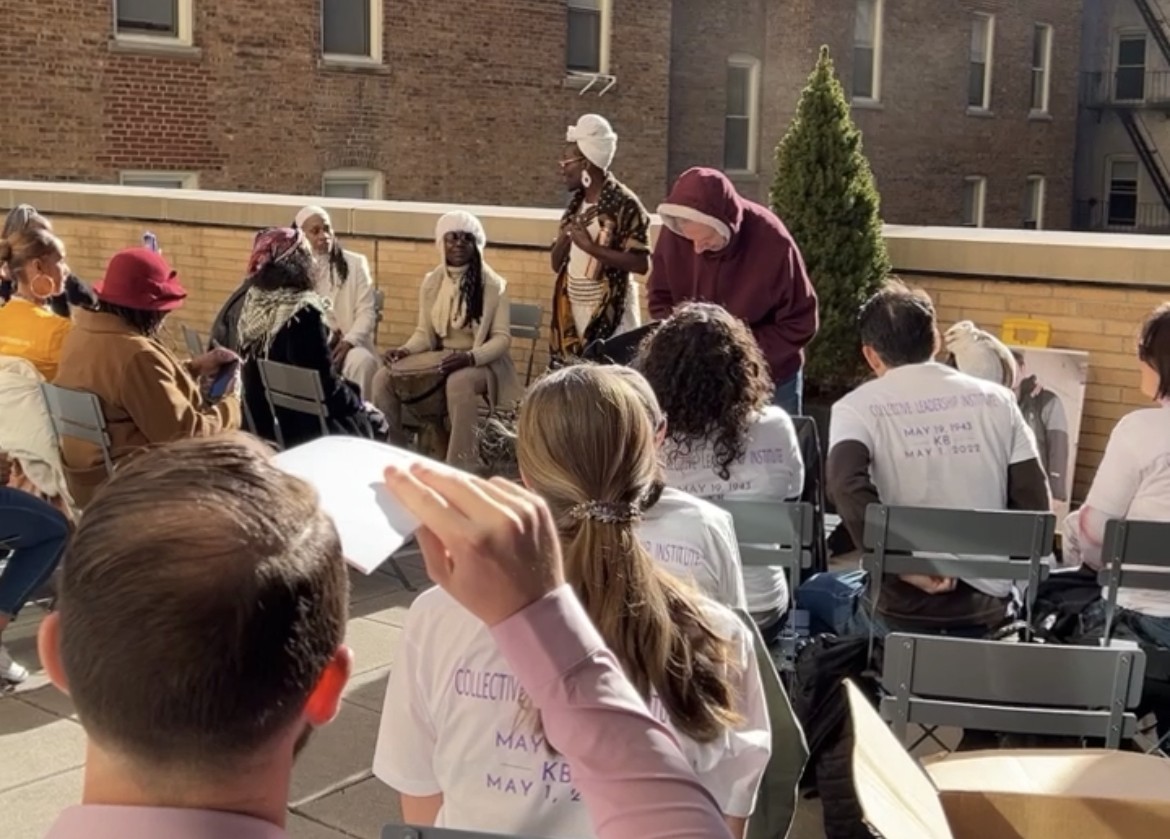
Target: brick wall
(469,106)
(920,140)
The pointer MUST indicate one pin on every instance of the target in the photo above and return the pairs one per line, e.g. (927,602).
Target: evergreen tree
(824,192)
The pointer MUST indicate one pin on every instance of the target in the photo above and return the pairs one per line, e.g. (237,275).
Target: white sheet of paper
(347,472)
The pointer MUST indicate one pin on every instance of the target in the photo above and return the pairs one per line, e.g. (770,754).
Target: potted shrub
(824,192)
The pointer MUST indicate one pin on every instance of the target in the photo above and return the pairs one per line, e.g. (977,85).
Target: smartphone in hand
(150,241)
(223,380)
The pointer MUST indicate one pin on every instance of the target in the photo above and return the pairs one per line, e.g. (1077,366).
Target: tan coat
(147,397)
(493,335)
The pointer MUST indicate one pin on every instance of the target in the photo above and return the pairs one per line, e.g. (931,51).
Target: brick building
(467,102)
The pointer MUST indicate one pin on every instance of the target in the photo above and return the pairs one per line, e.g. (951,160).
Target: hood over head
(705,196)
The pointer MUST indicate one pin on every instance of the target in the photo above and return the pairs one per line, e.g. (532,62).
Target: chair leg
(397,571)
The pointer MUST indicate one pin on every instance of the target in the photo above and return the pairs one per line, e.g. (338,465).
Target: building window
(867,50)
(362,184)
(587,36)
(743,107)
(167,21)
(1130,81)
(351,30)
(1122,207)
(1034,203)
(974,200)
(160,180)
(982,50)
(1041,67)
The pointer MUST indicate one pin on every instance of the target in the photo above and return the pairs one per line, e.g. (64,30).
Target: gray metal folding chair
(294,389)
(78,414)
(777,799)
(1015,688)
(526,320)
(772,533)
(988,544)
(1136,554)
(195,345)
(407,831)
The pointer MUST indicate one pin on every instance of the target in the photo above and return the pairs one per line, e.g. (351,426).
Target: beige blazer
(492,346)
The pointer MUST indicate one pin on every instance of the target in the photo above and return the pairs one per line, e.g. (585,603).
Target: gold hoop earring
(33,286)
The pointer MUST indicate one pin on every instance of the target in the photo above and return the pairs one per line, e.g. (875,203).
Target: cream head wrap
(595,138)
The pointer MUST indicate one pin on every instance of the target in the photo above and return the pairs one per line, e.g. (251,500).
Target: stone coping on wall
(1038,256)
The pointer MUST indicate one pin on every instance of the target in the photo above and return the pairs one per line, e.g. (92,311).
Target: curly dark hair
(711,380)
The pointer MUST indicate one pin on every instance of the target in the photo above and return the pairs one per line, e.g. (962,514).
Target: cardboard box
(1032,794)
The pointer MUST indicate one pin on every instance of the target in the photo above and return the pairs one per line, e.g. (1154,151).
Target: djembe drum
(421,389)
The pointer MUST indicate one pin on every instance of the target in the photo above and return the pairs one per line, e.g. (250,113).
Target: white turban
(460,221)
(595,138)
(307,213)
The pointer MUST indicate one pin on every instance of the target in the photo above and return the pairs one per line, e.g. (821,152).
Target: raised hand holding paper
(348,475)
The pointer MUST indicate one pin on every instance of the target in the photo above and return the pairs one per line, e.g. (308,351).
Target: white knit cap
(307,213)
(460,221)
(595,138)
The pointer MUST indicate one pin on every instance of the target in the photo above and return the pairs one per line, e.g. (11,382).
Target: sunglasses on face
(565,164)
(457,237)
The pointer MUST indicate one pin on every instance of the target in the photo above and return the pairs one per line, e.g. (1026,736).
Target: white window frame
(988,61)
(1036,208)
(372,178)
(186,180)
(1130,35)
(980,183)
(1110,162)
(377,36)
(605,8)
(879,14)
(752,65)
(1045,68)
(184,36)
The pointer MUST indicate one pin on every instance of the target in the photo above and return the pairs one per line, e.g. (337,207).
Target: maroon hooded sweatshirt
(759,277)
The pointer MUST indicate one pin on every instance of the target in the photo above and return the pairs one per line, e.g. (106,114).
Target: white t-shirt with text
(1132,482)
(452,723)
(937,438)
(771,469)
(696,540)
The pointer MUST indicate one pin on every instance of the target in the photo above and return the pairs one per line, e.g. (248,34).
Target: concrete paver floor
(333,796)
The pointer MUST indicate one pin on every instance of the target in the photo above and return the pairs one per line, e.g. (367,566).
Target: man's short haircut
(203,596)
(899,325)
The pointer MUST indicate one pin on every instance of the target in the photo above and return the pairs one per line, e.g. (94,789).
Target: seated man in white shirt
(925,435)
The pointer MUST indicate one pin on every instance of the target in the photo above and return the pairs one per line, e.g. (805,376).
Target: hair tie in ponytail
(606,512)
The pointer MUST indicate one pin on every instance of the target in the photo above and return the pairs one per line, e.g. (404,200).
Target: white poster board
(1051,394)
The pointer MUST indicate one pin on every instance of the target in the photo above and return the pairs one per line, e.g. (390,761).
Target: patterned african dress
(620,218)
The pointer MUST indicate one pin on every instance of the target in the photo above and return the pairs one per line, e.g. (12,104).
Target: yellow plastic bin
(1025,332)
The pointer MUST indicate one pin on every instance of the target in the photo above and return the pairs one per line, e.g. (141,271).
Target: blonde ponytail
(586,445)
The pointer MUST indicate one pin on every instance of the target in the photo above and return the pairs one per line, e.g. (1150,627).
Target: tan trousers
(467,391)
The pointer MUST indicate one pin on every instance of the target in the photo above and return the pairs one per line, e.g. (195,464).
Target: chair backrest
(1136,554)
(78,414)
(294,389)
(194,343)
(1021,688)
(1018,541)
(526,319)
(776,802)
(407,831)
(814,488)
(769,533)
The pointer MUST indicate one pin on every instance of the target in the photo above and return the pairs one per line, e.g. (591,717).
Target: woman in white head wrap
(604,239)
(464,321)
(343,278)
